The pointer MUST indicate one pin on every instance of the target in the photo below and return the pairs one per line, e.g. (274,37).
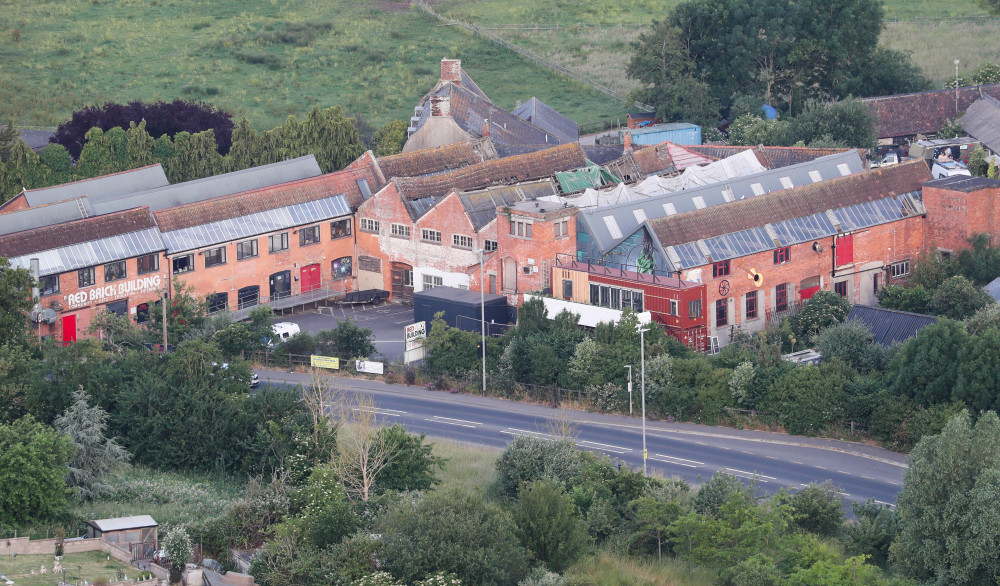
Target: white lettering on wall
(113,291)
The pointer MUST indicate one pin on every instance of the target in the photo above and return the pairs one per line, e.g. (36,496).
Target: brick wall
(539,252)
(955,216)
(875,249)
(236,274)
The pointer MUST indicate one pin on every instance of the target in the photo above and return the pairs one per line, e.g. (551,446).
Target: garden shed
(124,530)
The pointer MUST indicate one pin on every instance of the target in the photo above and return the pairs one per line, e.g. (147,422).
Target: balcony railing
(285,301)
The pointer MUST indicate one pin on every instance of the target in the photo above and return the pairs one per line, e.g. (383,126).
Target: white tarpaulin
(590,315)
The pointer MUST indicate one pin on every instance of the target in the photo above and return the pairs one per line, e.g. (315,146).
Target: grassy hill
(266,59)
(263,59)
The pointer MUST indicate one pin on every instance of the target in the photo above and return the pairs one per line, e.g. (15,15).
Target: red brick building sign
(113,291)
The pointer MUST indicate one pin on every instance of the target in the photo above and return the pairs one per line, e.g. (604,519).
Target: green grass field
(90,566)
(262,59)
(267,59)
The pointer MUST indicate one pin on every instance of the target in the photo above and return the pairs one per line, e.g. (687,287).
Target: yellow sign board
(324,362)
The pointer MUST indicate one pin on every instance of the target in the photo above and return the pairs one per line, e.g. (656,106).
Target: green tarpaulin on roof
(590,177)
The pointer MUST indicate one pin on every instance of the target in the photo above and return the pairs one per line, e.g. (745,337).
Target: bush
(958,298)
(549,525)
(719,490)
(528,459)
(452,532)
(853,343)
(822,310)
(817,508)
(413,464)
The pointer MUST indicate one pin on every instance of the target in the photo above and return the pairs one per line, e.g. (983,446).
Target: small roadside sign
(413,335)
(324,362)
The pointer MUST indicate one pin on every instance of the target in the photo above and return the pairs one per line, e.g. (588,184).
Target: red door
(69,329)
(311,278)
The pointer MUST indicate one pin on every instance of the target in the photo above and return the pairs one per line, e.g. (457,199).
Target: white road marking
(447,419)
(515,431)
(433,420)
(390,412)
(885,503)
(606,447)
(676,461)
(750,474)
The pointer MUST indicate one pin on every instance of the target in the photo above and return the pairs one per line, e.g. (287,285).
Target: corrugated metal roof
(481,206)
(889,326)
(593,223)
(103,188)
(47,215)
(547,118)
(982,121)
(95,252)
(120,523)
(215,186)
(255,224)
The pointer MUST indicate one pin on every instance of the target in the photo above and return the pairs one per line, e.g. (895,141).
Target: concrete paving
(386,321)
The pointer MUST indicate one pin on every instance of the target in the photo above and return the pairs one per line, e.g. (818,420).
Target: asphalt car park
(386,322)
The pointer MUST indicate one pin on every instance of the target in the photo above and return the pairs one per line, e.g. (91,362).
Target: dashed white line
(389,412)
(456,420)
(515,431)
(605,447)
(676,461)
(750,474)
(450,421)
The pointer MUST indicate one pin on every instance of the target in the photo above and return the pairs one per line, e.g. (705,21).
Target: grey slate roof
(47,215)
(993,288)
(99,189)
(36,139)
(982,121)
(545,117)
(963,183)
(215,186)
(609,225)
(889,326)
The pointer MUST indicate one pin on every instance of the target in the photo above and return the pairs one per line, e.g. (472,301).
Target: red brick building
(958,208)
(759,258)
(111,263)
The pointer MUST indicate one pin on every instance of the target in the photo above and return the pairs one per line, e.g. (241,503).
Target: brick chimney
(451,70)
(486,128)
(441,106)
(627,142)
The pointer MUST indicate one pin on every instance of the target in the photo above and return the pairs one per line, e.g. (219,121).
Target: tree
(817,508)
(451,349)
(17,371)
(362,455)
(8,136)
(991,6)
(957,298)
(978,383)
(15,302)
(653,517)
(549,525)
(872,532)
(326,516)
(986,73)
(118,332)
(346,340)
(33,461)
(527,459)
(926,366)
(915,299)
(161,118)
(390,138)
(662,64)
(980,263)
(984,319)
(822,310)
(807,399)
(97,456)
(949,524)
(977,162)
(452,532)
(179,549)
(853,343)
(185,313)
(413,465)
(847,123)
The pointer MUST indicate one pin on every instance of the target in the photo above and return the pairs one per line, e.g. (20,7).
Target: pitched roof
(790,204)
(889,326)
(119,523)
(46,215)
(982,121)
(547,118)
(607,225)
(214,186)
(437,159)
(101,188)
(470,109)
(772,156)
(506,171)
(246,203)
(665,157)
(75,232)
(481,206)
(922,113)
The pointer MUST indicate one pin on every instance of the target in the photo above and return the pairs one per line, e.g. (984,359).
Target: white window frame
(899,269)
(430,236)
(369,225)
(461,241)
(400,231)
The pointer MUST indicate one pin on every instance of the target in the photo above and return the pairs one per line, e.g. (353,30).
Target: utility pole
(629,367)
(956,86)
(642,358)
(482,311)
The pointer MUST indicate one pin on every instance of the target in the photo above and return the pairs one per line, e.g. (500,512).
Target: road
(689,451)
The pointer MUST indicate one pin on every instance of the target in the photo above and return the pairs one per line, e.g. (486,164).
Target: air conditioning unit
(713,345)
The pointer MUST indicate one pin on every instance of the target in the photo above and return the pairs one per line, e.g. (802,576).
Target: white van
(948,169)
(283,330)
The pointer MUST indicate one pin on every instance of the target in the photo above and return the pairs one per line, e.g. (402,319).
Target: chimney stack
(441,106)
(627,142)
(486,128)
(451,70)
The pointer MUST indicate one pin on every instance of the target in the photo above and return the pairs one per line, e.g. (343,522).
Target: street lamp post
(629,367)
(956,86)
(642,359)
(482,311)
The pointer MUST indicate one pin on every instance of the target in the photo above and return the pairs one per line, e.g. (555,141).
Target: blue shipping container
(681,133)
